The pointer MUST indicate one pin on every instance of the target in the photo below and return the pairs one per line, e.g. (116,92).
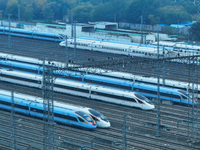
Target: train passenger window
(21,106)
(5,103)
(66,117)
(36,110)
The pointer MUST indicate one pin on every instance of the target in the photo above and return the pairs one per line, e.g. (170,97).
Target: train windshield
(84,116)
(98,114)
(141,97)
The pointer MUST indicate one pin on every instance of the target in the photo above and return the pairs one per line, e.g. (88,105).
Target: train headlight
(93,123)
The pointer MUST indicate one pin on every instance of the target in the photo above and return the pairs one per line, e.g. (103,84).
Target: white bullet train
(91,91)
(122,48)
(109,47)
(64,113)
(179,46)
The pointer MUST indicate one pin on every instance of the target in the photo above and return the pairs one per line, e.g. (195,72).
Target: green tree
(3,4)
(153,20)
(153,11)
(27,12)
(117,9)
(102,13)
(47,12)
(195,31)
(37,8)
(143,8)
(82,13)
(173,14)
(12,8)
(114,10)
(169,30)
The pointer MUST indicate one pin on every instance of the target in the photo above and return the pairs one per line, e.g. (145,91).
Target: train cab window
(184,97)
(84,115)
(184,94)
(97,114)
(142,98)
(141,102)
(94,118)
(80,119)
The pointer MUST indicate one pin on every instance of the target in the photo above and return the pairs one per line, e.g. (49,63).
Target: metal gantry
(9,31)
(1,12)
(193,112)
(13,141)
(75,39)
(124,133)
(158,89)
(48,107)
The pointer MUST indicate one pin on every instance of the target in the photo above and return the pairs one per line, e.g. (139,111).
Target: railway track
(138,121)
(52,51)
(141,129)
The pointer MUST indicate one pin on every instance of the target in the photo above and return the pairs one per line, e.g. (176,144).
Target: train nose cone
(107,125)
(103,124)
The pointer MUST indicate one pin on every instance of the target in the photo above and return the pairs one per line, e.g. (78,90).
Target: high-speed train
(148,90)
(91,91)
(123,48)
(63,113)
(179,46)
(30,34)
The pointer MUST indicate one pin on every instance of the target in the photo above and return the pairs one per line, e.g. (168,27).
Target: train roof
(122,82)
(21,73)
(28,32)
(29,60)
(167,45)
(116,45)
(100,78)
(94,87)
(72,83)
(181,45)
(144,78)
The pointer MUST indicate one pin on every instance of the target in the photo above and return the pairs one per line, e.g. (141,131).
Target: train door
(90,91)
